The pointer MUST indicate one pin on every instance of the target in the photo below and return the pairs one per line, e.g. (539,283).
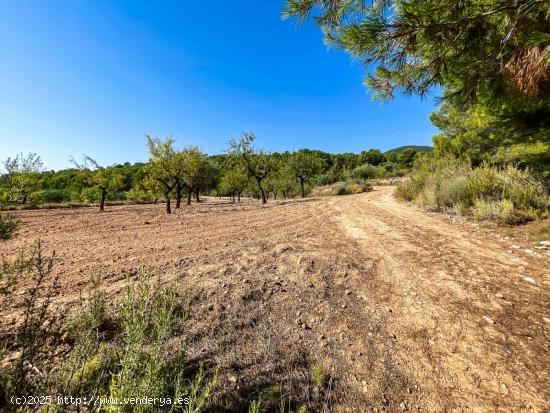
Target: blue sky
(93,77)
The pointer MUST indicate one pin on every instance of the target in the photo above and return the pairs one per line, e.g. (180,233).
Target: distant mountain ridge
(417,148)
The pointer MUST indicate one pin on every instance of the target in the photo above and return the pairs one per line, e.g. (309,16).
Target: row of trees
(175,174)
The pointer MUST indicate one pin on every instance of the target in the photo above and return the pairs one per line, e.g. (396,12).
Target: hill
(417,148)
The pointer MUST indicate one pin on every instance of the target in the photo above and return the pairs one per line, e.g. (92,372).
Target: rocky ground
(400,309)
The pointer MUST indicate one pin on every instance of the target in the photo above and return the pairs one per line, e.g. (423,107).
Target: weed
(8,225)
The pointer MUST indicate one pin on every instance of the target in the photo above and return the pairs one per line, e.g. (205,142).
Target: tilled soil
(403,310)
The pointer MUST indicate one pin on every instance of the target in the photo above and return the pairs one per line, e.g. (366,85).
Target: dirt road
(402,310)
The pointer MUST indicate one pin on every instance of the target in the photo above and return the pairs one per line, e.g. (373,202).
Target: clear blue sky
(93,77)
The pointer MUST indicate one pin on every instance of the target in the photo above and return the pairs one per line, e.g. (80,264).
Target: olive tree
(304,165)
(257,162)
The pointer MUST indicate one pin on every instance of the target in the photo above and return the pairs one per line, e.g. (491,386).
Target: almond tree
(233,182)
(195,171)
(107,179)
(257,162)
(164,167)
(304,165)
(181,183)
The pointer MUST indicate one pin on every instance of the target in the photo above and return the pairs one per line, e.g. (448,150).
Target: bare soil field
(403,309)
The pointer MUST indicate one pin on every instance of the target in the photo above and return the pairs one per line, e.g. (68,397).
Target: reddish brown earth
(402,309)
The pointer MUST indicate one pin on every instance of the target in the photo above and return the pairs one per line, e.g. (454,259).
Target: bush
(367,172)
(36,343)
(493,210)
(341,190)
(409,189)
(8,225)
(509,194)
(51,196)
(351,187)
(90,195)
(324,179)
(452,191)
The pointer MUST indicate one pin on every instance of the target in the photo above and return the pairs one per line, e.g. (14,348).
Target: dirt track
(404,310)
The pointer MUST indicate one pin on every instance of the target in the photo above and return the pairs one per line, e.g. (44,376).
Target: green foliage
(21,177)
(371,157)
(35,344)
(497,137)
(51,196)
(8,225)
(368,172)
(490,58)
(233,182)
(304,164)
(352,187)
(509,194)
(419,45)
(105,180)
(256,162)
(170,172)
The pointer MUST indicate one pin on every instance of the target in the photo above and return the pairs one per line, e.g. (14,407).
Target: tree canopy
(472,49)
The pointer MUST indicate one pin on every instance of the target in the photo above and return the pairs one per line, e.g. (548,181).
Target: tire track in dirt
(470,328)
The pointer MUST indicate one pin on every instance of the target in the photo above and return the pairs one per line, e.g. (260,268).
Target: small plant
(8,225)
(36,342)
(341,190)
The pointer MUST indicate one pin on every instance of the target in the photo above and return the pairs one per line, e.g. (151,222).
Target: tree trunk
(189,195)
(238,197)
(168,206)
(262,192)
(284,195)
(197,196)
(102,199)
(179,189)
(302,186)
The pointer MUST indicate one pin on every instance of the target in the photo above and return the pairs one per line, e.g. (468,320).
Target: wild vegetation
(8,225)
(104,353)
(507,194)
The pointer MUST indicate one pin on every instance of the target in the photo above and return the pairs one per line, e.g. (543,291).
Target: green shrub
(90,195)
(341,190)
(51,196)
(452,191)
(493,210)
(8,225)
(509,194)
(324,179)
(409,189)
(367,172)
(354,188)
(36,340)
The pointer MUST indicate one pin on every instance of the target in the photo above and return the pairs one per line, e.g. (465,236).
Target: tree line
(173,174)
